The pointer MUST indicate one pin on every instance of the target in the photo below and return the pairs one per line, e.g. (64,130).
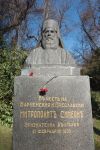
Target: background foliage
(11,62)
(91,67)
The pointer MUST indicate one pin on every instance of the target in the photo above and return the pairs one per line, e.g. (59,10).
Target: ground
(97,133)
(5,138)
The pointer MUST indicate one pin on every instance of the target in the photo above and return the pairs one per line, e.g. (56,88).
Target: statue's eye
(49,31)
(46,31)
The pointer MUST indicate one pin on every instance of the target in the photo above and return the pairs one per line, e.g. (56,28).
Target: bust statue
(50,50)
(50,58)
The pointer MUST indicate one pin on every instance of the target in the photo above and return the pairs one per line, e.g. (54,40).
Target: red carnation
(31,74)
(43,91)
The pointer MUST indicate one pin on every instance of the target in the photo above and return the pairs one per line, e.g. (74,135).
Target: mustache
(49,38)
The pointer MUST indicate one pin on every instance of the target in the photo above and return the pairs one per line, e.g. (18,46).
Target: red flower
(31,74)
(43,90)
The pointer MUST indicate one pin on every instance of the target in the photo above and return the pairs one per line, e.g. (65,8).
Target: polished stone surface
(58,119)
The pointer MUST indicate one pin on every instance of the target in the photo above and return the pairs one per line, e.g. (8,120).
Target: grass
(97,134)
(96,120)
(5,138)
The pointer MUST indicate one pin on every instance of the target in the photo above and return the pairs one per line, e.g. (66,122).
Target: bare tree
(90,30)
(16,11)
(90,18)
(13,13)
(15,16)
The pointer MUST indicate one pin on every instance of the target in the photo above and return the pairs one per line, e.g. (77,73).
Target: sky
(72,39)
(71,17)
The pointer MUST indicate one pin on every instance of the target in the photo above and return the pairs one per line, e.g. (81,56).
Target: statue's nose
(49,33)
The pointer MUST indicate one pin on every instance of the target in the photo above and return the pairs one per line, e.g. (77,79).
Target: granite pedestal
(52,70)
(58,119)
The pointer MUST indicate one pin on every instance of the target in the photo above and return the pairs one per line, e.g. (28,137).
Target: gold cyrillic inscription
(71,114)
(38,114)
(51,115)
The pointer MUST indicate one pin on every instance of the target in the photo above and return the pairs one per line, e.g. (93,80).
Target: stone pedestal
(52,70)
(58,119)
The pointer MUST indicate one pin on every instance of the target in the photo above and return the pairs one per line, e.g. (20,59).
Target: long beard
(50,43)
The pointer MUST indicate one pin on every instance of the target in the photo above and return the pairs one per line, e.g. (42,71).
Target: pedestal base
(61,119)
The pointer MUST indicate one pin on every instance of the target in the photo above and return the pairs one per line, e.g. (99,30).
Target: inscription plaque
(61,119)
